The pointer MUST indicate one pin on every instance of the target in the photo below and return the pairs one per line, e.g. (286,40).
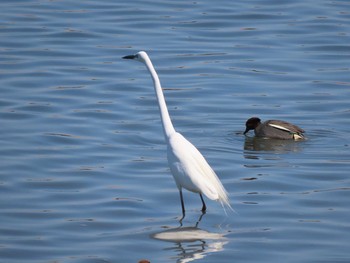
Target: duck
(274,129)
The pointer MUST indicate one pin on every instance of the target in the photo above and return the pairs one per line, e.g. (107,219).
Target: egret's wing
(194,166)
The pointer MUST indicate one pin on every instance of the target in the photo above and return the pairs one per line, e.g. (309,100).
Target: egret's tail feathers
(225,203)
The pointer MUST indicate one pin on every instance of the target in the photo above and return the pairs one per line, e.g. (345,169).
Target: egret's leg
(182,204)
(204,208)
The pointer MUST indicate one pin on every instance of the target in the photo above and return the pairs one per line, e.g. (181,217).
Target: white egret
(188,166)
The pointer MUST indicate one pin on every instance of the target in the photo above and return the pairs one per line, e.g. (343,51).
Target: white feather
(191,170)
(279,127)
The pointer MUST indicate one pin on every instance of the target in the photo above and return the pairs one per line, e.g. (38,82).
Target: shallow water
(83,170)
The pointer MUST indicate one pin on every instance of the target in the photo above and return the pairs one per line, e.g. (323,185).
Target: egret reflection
(191,243)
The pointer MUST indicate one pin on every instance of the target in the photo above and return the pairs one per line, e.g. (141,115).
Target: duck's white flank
(279,127)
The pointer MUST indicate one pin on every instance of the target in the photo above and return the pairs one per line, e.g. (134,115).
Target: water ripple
(84,175)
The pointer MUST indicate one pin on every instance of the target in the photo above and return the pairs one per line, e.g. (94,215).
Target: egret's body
(188,166)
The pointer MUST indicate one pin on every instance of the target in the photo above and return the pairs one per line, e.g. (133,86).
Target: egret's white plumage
(188,166)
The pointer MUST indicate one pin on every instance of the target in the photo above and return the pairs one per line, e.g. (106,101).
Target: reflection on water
(275,145)
(192,243)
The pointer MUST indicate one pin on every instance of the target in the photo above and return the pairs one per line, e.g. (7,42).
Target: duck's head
(251,124)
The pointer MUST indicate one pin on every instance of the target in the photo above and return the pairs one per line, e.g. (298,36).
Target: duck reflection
(275,145)
(191,243)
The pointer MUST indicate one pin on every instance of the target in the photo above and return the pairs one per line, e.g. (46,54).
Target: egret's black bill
(129,57)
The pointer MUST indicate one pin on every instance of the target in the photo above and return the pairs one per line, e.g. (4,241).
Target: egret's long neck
(164,114)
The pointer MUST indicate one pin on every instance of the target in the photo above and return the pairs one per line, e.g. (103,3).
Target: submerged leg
(199,219)
(204,208)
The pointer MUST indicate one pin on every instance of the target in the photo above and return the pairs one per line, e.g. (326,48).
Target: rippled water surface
(83,169)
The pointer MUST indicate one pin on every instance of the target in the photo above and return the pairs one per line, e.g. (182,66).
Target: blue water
(83,169)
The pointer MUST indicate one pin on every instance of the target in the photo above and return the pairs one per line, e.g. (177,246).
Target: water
(84,176)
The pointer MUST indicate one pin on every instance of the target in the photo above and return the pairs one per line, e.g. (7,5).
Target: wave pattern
(83,172)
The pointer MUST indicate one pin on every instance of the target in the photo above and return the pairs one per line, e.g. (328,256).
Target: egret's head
(139,56)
